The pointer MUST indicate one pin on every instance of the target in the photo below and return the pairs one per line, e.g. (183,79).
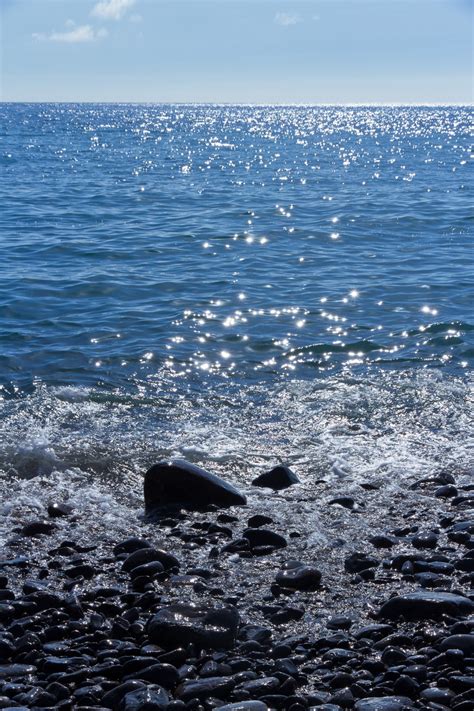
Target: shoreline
(71,613)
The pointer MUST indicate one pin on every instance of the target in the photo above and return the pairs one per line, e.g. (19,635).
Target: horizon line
(244,103)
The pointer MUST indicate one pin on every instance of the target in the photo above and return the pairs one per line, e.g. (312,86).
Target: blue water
(171,274)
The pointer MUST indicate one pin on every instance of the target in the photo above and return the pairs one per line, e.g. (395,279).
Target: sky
(242,51)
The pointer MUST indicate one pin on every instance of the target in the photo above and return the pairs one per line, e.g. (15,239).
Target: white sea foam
(390,430)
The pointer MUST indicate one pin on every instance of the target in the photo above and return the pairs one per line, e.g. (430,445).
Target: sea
(238,286)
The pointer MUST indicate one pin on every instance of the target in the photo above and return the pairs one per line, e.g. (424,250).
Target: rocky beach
(221,605)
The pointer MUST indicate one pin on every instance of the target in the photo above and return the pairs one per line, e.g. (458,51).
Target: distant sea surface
(234,285)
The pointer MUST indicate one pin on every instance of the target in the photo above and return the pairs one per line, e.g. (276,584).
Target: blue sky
(251,51)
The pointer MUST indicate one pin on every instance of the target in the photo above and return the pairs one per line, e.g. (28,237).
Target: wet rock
(207,627)
(244,706)
(151,698)
(218,686)
(255,633)
(448,491)
(427,539)
(384,703)
(340,622)
(422,605)
(130,545)
(113,698)
(357,562)
(259,520)
(38,528)
(263,537)
(277,479)
(383,541)
(59,510)
(163,674)
(347,502)
(148,555)
(181,484)
(459,641)
(287,614)
(298,576)
(11,671)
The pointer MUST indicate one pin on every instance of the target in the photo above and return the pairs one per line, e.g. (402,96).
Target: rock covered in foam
(181,484)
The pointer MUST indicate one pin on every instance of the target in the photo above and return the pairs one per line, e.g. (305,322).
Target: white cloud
(82,33)
(285,19)
(112,9)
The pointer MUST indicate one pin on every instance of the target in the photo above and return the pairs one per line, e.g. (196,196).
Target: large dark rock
(278,478)
(421,605)
(181,484)
(207,627)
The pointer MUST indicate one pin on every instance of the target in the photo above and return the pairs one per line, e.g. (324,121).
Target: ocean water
(239,286)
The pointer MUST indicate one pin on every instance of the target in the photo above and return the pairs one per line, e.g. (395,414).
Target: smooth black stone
(383,541)
(113,698)
(207,627)
(259,520)
(288,614)
(255,633)
(7,612)
(373,631)
(263,537)
(244,706)
(440,696)
(10,671)
(298,576)
(347,502)
(59,510)
(422,605)
(148,555)
(465,564)
(154,567)
(153,698)
(179,483)
(459,641)
(446,492)
(357,562)
(406,686)
(433,566)
(339,623)
(384,703)
(38,528)
(277,479)
(260,687)
(163,674)
(427,539)
(130,545)
(218,686)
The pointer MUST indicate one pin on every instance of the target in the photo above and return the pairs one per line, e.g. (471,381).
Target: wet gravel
(233,609)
